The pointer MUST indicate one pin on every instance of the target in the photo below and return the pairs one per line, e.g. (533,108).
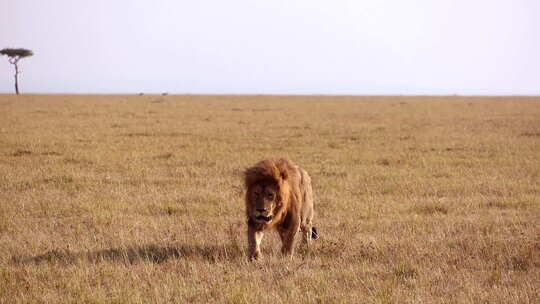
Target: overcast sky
(271,46)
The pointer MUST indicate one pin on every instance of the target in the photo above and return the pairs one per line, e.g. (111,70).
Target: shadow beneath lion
(132,255)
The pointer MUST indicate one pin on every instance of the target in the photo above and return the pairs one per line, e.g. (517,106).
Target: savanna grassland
(139,199)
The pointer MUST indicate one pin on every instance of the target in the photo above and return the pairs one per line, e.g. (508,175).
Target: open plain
(139,199)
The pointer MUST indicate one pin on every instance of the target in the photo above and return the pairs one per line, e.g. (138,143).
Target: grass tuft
(405,272)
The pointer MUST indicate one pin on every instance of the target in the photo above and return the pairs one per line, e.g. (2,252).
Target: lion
(278,195)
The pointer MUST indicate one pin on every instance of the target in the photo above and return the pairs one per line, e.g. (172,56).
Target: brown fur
(279,195)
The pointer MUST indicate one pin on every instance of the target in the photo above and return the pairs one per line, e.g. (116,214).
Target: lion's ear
(284,175)
(251,176)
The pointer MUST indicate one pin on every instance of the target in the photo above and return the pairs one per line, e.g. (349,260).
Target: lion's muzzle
(262,218)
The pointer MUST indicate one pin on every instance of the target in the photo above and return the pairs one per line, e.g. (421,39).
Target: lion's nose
(261,210)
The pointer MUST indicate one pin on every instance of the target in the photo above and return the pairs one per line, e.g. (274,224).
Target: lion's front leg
(254,242)
(287,238)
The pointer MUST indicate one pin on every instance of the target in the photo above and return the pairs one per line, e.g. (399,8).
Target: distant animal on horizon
(278,196)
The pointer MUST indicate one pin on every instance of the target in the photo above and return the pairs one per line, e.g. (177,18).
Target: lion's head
(264,201)
(268,190)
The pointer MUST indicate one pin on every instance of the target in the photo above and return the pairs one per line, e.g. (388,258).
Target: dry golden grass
(137,199)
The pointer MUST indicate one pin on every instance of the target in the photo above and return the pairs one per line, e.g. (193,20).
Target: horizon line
(283,94)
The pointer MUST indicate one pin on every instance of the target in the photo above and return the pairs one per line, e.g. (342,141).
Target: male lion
(279,195)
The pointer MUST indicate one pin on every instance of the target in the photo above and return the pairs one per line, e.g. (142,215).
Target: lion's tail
(314,233)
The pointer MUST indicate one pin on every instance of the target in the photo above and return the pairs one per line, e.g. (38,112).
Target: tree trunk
(16,79)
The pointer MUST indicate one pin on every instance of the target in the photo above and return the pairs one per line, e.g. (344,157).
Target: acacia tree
(14,56)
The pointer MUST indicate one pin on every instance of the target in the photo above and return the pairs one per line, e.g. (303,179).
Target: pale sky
(469,47)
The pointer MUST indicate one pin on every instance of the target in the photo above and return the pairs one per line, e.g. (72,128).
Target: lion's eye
(257,194)
(270,196)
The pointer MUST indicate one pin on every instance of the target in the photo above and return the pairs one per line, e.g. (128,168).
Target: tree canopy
(21,53)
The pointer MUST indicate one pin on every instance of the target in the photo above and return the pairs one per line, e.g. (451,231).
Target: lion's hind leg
(307,234)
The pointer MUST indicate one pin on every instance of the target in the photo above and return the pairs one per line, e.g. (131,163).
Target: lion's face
(264,201)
